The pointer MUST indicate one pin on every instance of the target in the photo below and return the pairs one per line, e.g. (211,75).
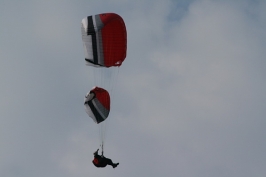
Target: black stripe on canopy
(98,117)
(91,31)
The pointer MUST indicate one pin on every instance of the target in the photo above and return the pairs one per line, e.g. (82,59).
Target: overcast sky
(189,98)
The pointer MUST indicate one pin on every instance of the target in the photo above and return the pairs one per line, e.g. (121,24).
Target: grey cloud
(189,98)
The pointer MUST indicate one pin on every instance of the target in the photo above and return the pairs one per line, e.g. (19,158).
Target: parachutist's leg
(110,162)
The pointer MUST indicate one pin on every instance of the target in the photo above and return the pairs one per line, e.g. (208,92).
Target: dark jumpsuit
(101,161)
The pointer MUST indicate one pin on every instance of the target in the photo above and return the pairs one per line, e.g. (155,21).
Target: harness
(99,162)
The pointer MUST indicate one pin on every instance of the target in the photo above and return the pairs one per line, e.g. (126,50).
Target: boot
(115,165)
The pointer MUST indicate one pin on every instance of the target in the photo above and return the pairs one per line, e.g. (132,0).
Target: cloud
(199,86)
(189,98)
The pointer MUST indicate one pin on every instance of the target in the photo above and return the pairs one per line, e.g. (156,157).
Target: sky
(189,98)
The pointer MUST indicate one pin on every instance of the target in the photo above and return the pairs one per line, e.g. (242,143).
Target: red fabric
(103,96)
(99,163)
(114,38)
(95,161)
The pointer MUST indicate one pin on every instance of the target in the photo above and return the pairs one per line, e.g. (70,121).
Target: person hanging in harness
(101,161)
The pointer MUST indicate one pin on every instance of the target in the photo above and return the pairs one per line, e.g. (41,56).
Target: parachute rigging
(104,39)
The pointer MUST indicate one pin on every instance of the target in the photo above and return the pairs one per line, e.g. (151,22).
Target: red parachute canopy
(97,104)
(104,39)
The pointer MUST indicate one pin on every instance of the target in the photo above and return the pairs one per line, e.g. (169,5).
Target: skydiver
(101,161)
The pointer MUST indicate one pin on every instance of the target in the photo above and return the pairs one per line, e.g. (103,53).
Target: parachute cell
(104,39)
(97,104)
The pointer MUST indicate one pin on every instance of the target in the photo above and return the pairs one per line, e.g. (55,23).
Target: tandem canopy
(104,40)
(97,104)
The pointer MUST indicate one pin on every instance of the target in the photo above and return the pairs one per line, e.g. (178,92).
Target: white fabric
(87,42)
(98,106)
(88,97)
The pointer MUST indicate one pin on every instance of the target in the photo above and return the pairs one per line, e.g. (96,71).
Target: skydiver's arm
(96,152)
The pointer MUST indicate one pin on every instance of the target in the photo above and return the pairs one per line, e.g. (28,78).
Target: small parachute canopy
(97,104)
(104,40)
